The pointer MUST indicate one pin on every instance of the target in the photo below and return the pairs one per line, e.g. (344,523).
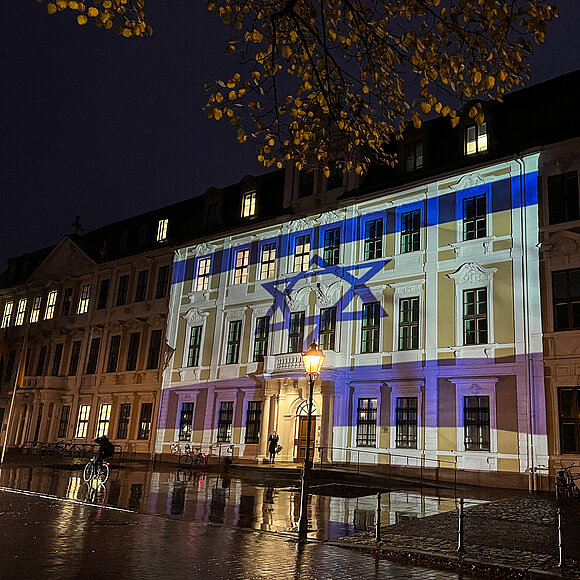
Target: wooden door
(301,441)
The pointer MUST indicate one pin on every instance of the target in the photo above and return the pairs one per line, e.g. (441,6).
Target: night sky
(105,127)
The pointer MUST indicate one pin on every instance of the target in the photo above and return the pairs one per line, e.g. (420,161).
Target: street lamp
(313,359)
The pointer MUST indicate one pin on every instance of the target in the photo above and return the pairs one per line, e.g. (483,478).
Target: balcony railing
(292,362)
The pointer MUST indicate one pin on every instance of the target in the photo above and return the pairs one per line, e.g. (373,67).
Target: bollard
(378,519)
(460,528)
(561,562)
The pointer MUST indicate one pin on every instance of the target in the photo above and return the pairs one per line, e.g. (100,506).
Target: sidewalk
(513,538)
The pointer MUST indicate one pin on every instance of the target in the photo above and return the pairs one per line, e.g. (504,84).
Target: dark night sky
(106,128)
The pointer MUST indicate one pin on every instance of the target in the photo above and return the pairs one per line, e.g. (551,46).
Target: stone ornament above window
(471,273)
(330,217)
(302,224)
(201,250)
(564,243)
(194,316)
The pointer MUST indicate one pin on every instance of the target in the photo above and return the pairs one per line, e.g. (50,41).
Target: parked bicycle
(566,486)
(95,472)
(192,457)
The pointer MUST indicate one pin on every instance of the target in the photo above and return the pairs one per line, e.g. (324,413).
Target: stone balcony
(292,362)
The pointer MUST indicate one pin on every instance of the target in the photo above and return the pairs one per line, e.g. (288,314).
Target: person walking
(272,445)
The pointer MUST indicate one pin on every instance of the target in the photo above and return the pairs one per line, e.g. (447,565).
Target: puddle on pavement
(334,510)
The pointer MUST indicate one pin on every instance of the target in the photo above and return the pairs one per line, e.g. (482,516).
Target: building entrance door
(301,441)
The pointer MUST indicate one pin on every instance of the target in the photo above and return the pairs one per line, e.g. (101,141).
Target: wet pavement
(335,510)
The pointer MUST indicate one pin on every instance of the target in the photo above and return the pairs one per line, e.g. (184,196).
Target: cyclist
(106,450)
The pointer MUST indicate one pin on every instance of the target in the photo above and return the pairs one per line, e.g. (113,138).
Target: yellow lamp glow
(313,359)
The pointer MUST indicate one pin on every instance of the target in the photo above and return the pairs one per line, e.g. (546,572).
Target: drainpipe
(529,374)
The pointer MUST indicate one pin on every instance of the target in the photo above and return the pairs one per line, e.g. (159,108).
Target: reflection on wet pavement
(334,510)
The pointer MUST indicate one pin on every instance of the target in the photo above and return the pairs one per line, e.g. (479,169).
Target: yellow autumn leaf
(454,122)
(51,8)
(425,107)
(82,19)
(92,12)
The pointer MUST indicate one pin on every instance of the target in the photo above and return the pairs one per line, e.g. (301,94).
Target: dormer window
(35,312)
(162,230)
(475,139)
(335,176)
(414,156)
(20,312)
(249,204)
(213,214)
(306,184)
(7,314)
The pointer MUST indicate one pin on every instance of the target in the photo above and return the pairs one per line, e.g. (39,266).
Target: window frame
(162,227)
(20,312)
(572,420)
(331,245)
(225,420)
(412,154)
(194,346)
(413,235)
(203,273)
(142,284)
(483,442)
(114,350)
(35,309)
(103,420)
(133,351)
(145,421)
(253,422)
(154,351)
(373,232)
(261,338)
(234,339)
(327,328)
(479,139)
(415,339)
(374,328)
(241,266)
(84,299)
(186,421)
(301,259)
(82,421)
(163,275)
(296,326)
(249,200)
(122,290)
(93,356)
(63,421)
(476,317)
(123,421)
(51,299)
(569,301)
(568,199)
(406,422)
(367,418)
(7,313)
(268,264)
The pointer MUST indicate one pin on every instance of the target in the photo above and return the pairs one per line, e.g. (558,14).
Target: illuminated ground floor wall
(486,417)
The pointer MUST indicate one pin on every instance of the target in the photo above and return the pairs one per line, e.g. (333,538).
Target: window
(66,301)
(406,418)
(476,423)
(202,278)
(41,361)
(123,237)
(305,184)
(50,304)
(370,327)
(194,346)
(409,323)
(234,334)
(566,297)
(563,197)
(93,356)
(142,237)
(410,231)
(261,338)
(186,422)
(56,360)
(154,349)
(474,213)
(366,423)
(74,358)
(141,291)
(268,263)
(122,290)
(104,418)
(7,314)
(249,204)
(475,139)
(27,362)
(213,214)
(301,253)
(331,247)
(133,351)
(124,415)
(225,421)
(253,418)
(327,328)
(104,294)
(83,421)
(296,332)
(414,156)
(162,281)
(373,239)
(145,421)
(63,423)
(35,311)
(83,306)
(10,365)
(162,230)
(241,266)
(20,312)
(475,316)
(113,359)
(335,177)
(569,411)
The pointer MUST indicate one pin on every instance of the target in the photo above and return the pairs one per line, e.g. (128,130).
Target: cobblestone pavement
(43,537)
(511,537)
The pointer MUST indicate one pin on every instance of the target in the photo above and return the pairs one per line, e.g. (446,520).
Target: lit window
(414,156)
(268,264)
(7,314)
(104,418)
(35,311)
(241,267)
(302,254)
(162,230)
(83,421)
(202,279)
(186,422)
(249,204)
(83,306)
(50,304)
(20,312)
(475,139)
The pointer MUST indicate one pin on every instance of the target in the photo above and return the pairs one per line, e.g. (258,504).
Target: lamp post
(313,359)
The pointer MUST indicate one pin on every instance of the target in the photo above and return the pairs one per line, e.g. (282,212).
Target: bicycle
(100,474)
(192,458)
(566,486)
